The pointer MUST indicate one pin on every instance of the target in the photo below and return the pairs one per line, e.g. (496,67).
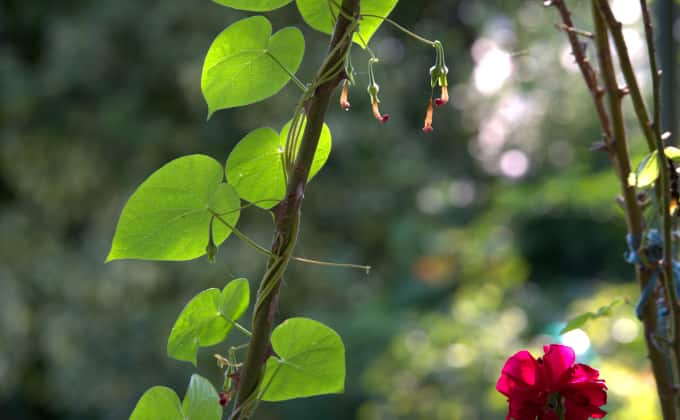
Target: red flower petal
(520,371)
(557,360)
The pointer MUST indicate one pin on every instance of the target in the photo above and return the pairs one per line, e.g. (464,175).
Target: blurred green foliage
(485,236)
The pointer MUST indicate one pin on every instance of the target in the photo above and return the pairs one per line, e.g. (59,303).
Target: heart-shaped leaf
(246,64)
(311,361)
(168,216)
(254,5)
(207,319)
(255,166)
(321,15)
(201,402)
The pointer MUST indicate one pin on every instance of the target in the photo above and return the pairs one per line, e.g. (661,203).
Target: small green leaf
(201,402)
(672,153)
(311,361)
(168,216)
(321,15)
(207,319)
(255,165)
(254,5)
(580,320)
(158,402)
(647,172)
(239,68)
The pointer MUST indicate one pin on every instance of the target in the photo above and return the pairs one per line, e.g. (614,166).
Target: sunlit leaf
(672,153)
(254,5)
(647,172)
(310,360)
(158,402)
(321,15)
(201,402)
(255,166)
(241,65)
(207,319)
(168,216)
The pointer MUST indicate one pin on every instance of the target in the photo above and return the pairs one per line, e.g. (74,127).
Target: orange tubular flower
(427,128)
(444,97)
(344,96)
(383,118)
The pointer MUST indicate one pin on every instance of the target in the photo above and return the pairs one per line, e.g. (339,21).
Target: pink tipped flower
(444,99)
(427,127)
(344,96)
(376,111)
(551,387)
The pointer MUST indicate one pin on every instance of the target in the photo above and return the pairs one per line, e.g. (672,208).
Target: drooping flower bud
(427,127)
(344,96)
(438,75)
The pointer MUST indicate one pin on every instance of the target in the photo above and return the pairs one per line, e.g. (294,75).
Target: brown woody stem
(287,214)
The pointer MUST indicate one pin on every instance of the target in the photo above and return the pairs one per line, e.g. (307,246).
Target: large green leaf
(168,216)
(311,361)
(244,63)
(201,402)
(254,5)
(158,402)
(255,165)
(207,319)
(321,15)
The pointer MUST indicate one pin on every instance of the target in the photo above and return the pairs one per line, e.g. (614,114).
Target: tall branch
(605,19)
(287,213)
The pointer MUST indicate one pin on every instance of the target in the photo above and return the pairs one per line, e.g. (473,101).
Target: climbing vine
(190,206)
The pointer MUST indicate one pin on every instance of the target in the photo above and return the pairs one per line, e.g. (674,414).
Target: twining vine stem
(287,213)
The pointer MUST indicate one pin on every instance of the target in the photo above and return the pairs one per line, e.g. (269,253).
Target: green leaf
(207,319)
(158,402)
(168,216)
(255,165)
(672,153)
(321,15)
(311,361)
(239,68)
(580,320)
(647,172)
(254,5)
(201,402)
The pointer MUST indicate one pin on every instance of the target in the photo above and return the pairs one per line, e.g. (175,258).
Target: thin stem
(401,28)
(262,250)
(290,74)
(241,328)
(615,28)
(653,68)
(588,73)
(366,268)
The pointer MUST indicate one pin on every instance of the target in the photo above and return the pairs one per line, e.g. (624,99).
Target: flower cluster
(438,78)
(551,387)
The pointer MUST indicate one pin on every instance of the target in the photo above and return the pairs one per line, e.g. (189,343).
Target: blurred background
(484,236)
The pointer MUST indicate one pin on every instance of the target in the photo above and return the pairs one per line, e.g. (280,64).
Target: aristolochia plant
(190,206)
